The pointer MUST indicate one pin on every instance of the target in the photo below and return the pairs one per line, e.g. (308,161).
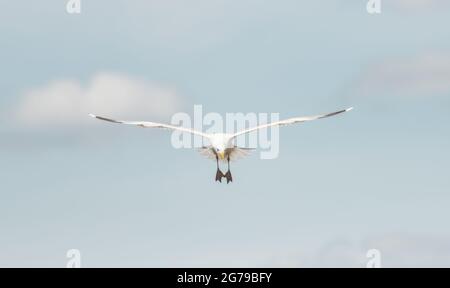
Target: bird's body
(222,147)
(221,144)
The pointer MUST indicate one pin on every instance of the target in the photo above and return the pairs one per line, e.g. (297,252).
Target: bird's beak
(221,155)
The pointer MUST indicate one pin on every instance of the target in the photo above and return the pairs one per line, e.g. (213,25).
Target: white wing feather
(237,153)
(290,121)
(207,152)
(153,125)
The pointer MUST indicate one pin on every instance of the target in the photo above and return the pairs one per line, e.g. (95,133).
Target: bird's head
(220,153)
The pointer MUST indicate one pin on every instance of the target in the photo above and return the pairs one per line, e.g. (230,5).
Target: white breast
(221,141)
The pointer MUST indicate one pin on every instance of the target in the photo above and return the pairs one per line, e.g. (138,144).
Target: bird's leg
(219,173)
(228,174)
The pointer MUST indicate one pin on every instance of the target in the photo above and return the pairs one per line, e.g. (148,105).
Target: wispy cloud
(67,102)
(396,250)
(419,3)
(425,75)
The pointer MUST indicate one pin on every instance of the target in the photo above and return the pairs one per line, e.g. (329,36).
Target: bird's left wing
(289,121)
(153,125)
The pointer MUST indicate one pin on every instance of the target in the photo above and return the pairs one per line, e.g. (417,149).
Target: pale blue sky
(374,178)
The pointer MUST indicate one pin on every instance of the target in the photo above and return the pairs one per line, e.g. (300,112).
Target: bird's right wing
(290,121)
(153,125)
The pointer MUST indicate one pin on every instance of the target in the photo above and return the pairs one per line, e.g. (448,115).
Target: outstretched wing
(153,125)
(289,121)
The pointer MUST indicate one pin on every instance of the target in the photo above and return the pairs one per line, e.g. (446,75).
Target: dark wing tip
(104,119)
(337,112)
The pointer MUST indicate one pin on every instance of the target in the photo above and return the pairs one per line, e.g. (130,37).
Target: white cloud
(396,250)
(68,102)
(412,250)
(419,3)
(424,75)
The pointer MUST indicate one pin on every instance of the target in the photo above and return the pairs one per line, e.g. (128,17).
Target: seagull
(222,144)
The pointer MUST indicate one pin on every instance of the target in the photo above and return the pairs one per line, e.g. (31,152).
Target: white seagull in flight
(221,144)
